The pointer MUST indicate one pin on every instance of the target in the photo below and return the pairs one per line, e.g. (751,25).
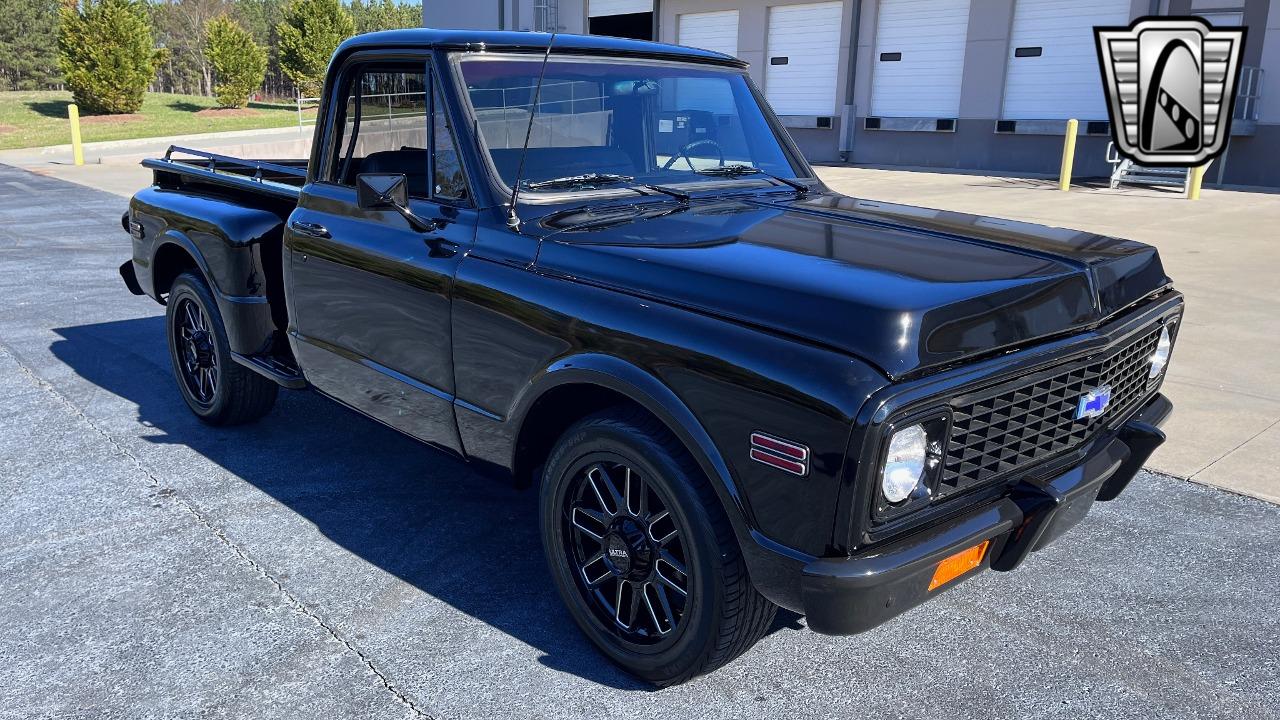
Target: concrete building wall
(1268,53)
(1255,159)
(501,15)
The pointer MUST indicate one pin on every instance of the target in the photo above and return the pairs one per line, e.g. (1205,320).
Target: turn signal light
(958,564)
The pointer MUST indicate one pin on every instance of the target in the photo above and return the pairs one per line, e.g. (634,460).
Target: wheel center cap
(618,554)
(201,348)
(627,550)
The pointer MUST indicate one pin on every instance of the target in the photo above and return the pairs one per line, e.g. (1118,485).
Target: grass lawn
(33,119)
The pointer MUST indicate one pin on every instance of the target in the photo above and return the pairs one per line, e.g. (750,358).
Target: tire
(218,390)
(671,637)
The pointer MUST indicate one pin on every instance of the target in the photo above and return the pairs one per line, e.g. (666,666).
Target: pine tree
(28,61)
(260,18)
(106,54)
(310,32)
(238,62)
(385,15)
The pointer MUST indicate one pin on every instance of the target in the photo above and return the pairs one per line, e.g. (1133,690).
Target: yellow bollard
(77,151)
(1068,155)
(1195,180)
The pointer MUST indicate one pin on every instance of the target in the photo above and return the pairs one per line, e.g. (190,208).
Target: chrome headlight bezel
(1164,350)
(936,425)
(905,460)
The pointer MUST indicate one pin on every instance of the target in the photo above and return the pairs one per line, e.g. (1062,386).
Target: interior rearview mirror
(382,191)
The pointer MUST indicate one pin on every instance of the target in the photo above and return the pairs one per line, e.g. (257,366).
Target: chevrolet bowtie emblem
(1170,86)
(1094,402)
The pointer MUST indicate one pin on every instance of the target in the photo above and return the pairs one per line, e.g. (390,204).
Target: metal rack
(257,166)
(230,171)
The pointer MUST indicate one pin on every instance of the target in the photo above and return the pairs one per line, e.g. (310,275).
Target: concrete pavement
(316,564)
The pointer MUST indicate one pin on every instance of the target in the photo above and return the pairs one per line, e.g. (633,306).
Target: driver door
(369,295)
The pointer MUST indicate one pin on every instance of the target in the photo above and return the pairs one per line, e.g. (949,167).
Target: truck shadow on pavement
(463,538)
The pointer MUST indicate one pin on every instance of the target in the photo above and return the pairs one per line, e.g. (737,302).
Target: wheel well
(171,261)
(552,414)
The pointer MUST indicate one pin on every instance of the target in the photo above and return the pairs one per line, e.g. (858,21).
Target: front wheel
(218,390)
(642,552)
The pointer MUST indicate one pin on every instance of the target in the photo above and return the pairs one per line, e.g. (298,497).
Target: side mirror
(382,191)
(389,191)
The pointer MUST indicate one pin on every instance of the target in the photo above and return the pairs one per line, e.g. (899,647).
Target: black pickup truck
(602,268)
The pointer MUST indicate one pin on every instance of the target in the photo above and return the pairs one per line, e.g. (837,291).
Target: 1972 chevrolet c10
(601,267)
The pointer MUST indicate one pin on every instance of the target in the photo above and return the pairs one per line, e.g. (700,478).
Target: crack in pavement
(152,481)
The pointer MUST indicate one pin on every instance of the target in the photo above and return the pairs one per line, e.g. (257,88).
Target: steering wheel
(683,152)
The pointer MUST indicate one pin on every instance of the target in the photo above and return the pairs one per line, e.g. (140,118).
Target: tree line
(109,52)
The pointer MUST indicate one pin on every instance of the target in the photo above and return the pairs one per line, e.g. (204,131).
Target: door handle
(440,247)
(309,229)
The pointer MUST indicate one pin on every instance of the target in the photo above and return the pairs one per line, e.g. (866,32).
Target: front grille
(1020,424)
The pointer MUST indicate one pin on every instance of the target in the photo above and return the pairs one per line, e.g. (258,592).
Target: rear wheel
(218,390)
(642,552)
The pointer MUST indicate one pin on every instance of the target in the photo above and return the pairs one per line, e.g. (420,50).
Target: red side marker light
(781,454)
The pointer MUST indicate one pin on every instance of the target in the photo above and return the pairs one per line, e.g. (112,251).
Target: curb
(107,145)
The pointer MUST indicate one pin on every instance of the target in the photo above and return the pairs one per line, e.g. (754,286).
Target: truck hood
(902,287)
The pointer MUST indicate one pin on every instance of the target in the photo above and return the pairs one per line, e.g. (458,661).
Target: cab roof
(531,41)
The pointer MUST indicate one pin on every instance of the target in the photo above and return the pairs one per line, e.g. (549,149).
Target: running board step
(269,366)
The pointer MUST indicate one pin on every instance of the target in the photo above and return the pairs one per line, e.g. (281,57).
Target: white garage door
(602,8)
(919,58)
(716,31)
(804,56)
(1053,63)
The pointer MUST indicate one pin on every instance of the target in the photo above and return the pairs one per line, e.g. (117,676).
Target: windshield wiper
(680,195)
(570,181)
(589,179)
(740,170)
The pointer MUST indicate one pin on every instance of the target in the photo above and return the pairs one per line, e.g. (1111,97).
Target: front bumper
(843,596)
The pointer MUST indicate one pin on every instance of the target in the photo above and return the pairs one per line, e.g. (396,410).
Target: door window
(450,182)
(386,113)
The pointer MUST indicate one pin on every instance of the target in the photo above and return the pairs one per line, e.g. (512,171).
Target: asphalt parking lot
(317,564)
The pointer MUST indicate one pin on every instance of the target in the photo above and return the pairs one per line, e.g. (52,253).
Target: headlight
(1160,358)
(904,463)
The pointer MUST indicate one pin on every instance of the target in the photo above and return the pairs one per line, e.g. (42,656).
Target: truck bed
(281,179)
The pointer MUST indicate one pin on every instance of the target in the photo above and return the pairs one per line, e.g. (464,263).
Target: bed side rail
(228,170)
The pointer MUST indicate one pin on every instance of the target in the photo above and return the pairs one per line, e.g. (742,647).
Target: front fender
(774,567)
(518,335)
(627,379)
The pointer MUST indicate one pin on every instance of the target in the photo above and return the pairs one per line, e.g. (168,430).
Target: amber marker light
(958,564)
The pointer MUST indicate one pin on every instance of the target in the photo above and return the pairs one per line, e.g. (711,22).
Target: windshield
(602,122)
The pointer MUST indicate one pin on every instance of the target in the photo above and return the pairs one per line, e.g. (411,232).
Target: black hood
(905,288)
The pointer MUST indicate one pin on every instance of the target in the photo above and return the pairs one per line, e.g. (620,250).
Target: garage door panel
(716,31)
(604,8)
(931,37)
(1064,80)
(809,37)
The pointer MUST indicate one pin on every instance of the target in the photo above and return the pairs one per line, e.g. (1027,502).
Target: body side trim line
(378,367)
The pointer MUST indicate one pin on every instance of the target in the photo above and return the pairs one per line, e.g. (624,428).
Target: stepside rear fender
(237,248)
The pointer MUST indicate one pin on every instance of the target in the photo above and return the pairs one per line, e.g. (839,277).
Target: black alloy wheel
(627,551)
(642,552)
(198,367)
(219,390)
